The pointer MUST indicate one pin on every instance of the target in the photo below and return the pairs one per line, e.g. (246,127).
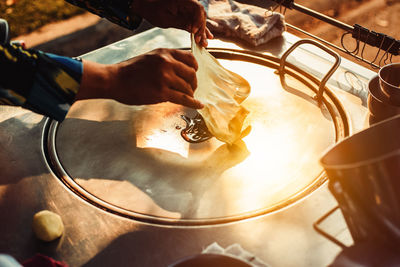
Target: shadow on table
(20,152)
(108,150)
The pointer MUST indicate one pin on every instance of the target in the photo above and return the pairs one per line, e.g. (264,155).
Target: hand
(158,76)
(187,15)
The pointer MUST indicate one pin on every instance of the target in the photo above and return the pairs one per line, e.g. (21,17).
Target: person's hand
(187,15)
(158,76)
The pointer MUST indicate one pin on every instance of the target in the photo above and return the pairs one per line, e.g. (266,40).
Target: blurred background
(58,27)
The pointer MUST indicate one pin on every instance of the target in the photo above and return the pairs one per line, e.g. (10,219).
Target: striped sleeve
(44,83)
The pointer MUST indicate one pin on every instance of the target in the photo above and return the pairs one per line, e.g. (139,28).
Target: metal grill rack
(387,46)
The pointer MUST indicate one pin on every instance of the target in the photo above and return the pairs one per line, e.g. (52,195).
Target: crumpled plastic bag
(221,91)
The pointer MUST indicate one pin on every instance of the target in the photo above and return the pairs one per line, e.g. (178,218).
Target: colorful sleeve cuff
(55,85)
(43,83)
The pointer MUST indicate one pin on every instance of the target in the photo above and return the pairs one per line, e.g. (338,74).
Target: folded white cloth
(235,250)
(252,24)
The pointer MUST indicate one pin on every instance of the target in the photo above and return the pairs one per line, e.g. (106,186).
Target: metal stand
(363,36)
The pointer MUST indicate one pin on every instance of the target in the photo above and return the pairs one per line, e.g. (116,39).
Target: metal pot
(379,108)
(364,177)
(389,80)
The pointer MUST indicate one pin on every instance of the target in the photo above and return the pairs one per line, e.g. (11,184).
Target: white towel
(252,24)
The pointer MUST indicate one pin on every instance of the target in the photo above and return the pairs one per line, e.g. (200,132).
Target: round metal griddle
(132,160)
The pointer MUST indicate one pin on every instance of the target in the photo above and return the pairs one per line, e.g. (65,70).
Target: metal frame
(342,130)
(381,41)
(319,230)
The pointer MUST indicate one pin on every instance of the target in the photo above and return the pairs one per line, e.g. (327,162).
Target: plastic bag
(221,91)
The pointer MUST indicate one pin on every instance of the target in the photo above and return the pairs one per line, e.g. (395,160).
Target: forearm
(96,80)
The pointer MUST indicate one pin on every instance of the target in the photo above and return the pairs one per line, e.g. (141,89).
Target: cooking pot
(379,108)
(389,80)
(363,172)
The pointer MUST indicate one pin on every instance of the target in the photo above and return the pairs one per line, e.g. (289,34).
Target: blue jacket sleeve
(44,83)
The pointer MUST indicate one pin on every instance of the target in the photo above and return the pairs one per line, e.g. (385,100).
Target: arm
(158,76)
(187,15)
(116,11)
(49,84)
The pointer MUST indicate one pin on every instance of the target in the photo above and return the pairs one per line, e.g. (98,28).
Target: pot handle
(321,87)
(319,230)
(4,32)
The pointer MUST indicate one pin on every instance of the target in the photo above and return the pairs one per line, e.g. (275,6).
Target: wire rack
(386,46)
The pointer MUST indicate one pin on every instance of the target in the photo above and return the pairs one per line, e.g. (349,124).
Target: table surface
(94,237)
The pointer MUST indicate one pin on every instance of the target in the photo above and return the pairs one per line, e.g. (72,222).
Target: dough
(221,91)
(47,225)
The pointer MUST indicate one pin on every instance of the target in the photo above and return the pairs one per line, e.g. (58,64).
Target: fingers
(209,35)
(192,17)
(185,57)
(181,85)
(183,79)
(198,16)
(187,74)
(185,67)
(198,27)
(201,37)
(206,35)
(183,99)
(167,75)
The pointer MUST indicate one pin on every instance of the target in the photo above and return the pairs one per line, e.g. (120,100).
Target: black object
(363,173)
(376,39)
(367,255)
(4,32)
(379,107)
